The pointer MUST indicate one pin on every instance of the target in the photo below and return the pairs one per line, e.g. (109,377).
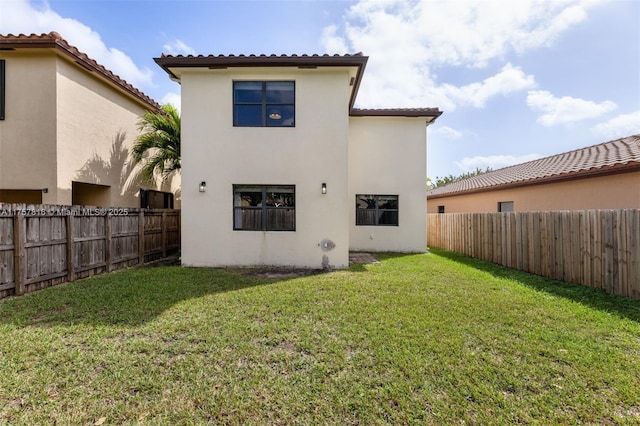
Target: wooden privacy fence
(596,248)
(45,245)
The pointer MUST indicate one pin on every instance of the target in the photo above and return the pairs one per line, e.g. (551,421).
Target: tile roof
(166,62)
(263,56)
(615,156)
(55,40)
(252,60)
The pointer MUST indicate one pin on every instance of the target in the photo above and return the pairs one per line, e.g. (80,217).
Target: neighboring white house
(279,168)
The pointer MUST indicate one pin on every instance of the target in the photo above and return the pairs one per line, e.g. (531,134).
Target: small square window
(440,209)
(505,206)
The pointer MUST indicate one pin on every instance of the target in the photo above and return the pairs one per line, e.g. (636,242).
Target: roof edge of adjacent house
(595,160)
(53,40)
(589,173)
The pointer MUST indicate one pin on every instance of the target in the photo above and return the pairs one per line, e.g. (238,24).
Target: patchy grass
(423,339)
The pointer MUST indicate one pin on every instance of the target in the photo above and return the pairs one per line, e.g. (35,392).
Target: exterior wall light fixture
(324,188)
(45,190)
(202,187)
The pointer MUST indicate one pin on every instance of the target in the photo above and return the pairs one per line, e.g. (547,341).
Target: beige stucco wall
(312,152)
(90,114)
(387,156)
(28,132)
(61,124)
(619,191)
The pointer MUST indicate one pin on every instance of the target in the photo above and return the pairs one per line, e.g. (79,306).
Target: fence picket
(40,246)
(634,253)
(596,248)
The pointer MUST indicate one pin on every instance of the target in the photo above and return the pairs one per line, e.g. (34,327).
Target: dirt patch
(278,273)
(173,260)
(44,317)
(360,257)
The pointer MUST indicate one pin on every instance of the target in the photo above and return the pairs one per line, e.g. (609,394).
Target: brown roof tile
(606,158)
(55,40)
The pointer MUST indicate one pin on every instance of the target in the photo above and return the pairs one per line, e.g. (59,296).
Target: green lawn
(418,339)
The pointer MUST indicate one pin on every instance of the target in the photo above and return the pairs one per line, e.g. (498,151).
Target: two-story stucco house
(66,125)
(279,168)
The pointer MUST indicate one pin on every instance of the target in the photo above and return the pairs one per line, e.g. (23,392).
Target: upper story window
(264,103)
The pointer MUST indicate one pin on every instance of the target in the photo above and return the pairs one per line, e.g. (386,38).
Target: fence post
(70,266)
(164,235)
(18,253)
(141,237)
(107,241)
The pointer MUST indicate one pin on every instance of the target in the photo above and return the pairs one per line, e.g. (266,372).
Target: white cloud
(448,132)
(509,79)
(178,47)
(565,110)
(173,99)
(332,42)
(408,40)
(548,31)
(469,164)
(19,16)
(620,126)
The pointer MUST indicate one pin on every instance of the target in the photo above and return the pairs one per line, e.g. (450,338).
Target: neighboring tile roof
(55,40)
(616,156)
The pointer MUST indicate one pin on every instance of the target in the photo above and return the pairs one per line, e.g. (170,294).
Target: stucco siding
(90,115)
(387,156)
(28,132)
(312,152)
(618,191)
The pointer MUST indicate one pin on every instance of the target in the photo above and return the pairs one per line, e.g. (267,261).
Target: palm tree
(157,148)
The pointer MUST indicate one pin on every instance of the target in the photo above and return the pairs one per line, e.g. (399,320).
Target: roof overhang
(430,114)
(172,64)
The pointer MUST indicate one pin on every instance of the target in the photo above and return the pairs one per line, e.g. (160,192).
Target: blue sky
(516,80)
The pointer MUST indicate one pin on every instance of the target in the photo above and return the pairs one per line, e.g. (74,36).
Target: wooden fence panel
(124,241)
(596,248)
(7,282)
(634,249)
(45,245)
